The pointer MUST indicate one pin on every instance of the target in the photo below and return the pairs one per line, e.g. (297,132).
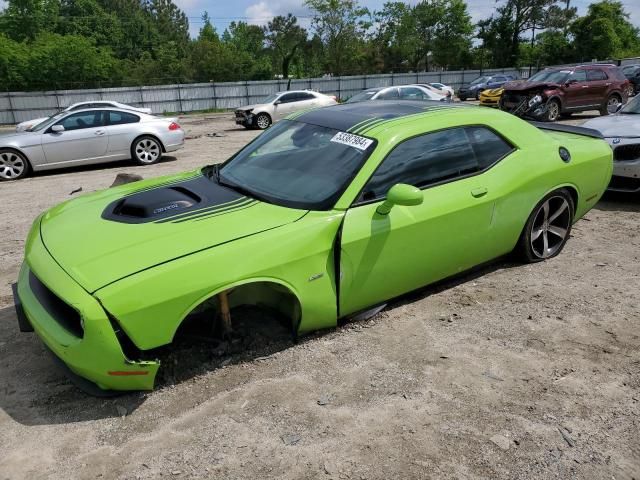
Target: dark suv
(485,82)
(554,92)
(632,72)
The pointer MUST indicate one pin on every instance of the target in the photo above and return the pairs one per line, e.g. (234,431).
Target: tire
(478,94)
(262,121)
(553,111)
(146,150)
(463,98)
(13,165)
(548,228)
(613,99)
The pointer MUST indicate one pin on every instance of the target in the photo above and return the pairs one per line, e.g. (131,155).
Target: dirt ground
(510,372)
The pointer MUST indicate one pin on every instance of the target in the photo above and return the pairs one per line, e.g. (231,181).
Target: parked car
(81,106)
(443,87)
(277,106)
(403,92)
(553,92)
(622,131)
(491,97)
(321,217)
(632,72)
(474,88)
(86,137)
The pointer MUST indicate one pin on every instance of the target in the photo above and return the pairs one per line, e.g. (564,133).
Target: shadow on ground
(36,392)
(99,166)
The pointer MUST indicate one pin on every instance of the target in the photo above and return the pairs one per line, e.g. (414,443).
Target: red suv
(553,92)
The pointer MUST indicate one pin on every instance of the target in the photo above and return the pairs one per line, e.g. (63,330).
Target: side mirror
(400,194)
(57,128)
(277,102)
(571,82)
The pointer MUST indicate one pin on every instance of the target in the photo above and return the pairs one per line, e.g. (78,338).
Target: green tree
(605,32)
(452,43)
(14,60)
(341,25)
(285,37)
(25,19)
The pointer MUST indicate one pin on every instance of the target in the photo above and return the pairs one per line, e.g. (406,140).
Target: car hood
(521,86)
(251,107)
(619,125)
(13,135)
(105,236)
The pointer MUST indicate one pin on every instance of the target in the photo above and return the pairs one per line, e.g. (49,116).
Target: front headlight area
(74,326)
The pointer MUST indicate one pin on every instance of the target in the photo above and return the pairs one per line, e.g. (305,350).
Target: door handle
(479,192)
(99,132)
(585,86)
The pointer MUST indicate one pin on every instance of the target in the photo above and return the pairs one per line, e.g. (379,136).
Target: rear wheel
(548,227)
(146,150)
(13,165)
(462,98)
(612,103)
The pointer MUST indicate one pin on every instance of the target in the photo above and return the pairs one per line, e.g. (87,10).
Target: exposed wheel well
(265,294)
(164,150)
(574,195)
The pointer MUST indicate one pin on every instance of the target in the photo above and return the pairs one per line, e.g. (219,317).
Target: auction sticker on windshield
(356,141)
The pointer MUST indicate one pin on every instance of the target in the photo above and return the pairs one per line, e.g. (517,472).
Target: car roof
(110,108)
(352,117)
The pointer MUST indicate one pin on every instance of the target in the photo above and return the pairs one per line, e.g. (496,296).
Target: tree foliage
(48,44)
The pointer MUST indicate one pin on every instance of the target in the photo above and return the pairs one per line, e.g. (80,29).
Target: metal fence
(17,107)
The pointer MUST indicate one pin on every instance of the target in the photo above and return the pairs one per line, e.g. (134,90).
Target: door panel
(383,256)
(84,137)
(121,131)
(577,93)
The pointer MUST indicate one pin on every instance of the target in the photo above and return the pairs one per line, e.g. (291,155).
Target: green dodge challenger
(325,215)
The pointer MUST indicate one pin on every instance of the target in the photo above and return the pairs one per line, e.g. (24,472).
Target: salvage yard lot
(511,371)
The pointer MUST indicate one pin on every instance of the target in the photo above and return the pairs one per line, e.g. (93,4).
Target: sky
(261,11)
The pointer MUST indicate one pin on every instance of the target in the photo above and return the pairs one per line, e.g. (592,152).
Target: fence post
(215,98)
(141,96)
(246,87)
(339,88)
(180,99)
(393,82)
(417,76)
(13,113)
(55,94)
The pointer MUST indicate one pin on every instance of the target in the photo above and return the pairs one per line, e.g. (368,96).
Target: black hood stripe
(178,200)
(201,211)
(220,209)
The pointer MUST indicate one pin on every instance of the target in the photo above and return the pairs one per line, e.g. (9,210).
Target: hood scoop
(152,205)
(172,202)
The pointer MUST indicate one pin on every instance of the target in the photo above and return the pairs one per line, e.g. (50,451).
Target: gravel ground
(510,372)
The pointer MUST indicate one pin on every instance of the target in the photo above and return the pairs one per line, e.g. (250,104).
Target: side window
(412,93)
(488,146)
(579,76)
(437,157)
(593,75)
(288,98)
(82,120)
(306,96)
(390,94)
(120,118)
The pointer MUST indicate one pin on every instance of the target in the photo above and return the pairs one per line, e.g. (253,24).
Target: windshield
(630,69)
(42,125)
(270,98)
(362,96)
(552,76)
(479,80)
(297,165)
(632,107)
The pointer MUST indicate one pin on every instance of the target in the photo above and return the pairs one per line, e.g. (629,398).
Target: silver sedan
(622,131)
(86,137)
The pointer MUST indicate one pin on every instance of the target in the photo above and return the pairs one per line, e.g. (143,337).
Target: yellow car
(491,98)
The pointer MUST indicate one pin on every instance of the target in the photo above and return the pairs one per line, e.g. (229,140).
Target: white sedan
(79,106)
(442,87)
(402,92)
(277,106)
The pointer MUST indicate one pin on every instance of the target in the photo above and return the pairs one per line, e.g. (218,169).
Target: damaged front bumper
(533,106)
(244,118)
(74,326)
